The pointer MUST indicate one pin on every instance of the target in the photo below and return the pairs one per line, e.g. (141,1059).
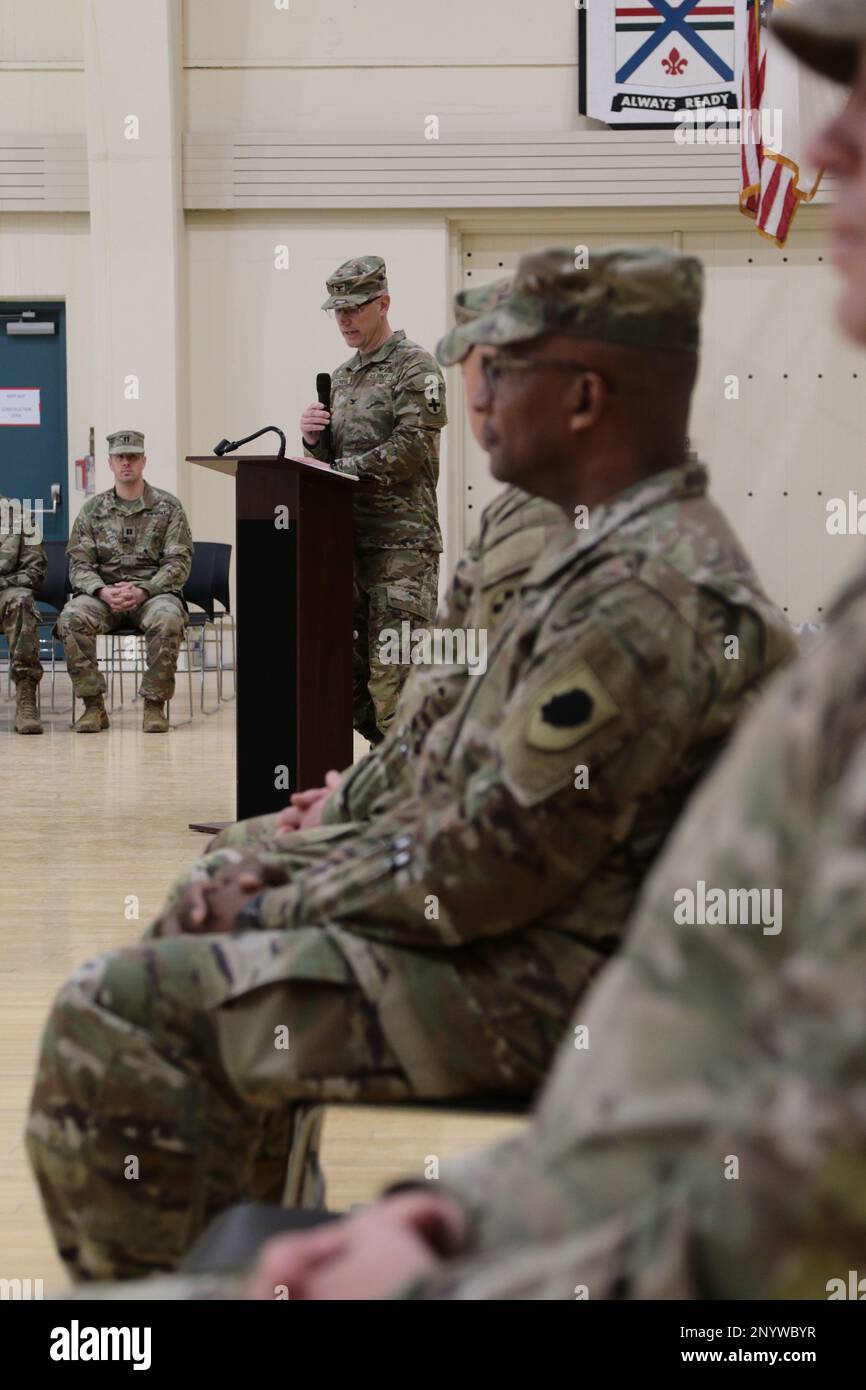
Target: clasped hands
(211,905)
(122,596)
(305,810)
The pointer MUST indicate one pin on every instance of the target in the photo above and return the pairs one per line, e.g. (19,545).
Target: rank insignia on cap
(568,709)
(126,442)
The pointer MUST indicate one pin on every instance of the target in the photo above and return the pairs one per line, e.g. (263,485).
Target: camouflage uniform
(22,574)
(387,411)
(707,1043)
(436,950)
(514,531)
(713,1042)
(148,543)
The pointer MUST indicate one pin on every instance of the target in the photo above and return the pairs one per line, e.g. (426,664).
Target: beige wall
(132,53)
(41,65)
(791,438)
(136,272)
(381,65)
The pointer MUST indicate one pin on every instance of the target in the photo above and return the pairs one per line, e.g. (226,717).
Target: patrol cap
(468,306)
(356,282)
(126,442)
(638,296)
(826,35)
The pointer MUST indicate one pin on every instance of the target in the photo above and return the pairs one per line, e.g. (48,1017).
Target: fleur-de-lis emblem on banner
(673,64)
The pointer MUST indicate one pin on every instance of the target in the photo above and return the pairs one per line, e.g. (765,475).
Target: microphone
(323,391)
(228,446)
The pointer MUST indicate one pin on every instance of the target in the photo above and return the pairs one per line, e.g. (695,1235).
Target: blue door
(33,444)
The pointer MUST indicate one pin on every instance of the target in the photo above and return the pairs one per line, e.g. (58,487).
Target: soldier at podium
(387,411)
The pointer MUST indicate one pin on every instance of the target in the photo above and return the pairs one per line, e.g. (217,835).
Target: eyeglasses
(495,368)
(351,311)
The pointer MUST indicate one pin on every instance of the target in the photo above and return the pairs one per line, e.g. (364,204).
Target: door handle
(56,495)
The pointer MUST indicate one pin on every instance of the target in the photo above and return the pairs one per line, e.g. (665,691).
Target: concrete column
(132,55)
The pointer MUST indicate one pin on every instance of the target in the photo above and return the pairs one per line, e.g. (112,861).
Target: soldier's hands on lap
(369,1255)
(130,594)
(212,905)
(113,595)
(307,807)
(314,419)
(288,820)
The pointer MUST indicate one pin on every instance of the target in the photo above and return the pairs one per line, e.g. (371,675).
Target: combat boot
(27,719)
(94,718)
(155,721)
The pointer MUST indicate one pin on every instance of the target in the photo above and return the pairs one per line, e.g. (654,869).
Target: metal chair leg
(204,664)
(234,668)
(109,661)
(181,722)
(53,706)
(189,674)
(139,660)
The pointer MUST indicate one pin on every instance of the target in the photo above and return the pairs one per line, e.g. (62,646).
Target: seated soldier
(22,573)
(437,949)
(129,557)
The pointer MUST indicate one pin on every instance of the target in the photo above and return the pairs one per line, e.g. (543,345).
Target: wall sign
(647,62)
(20,405)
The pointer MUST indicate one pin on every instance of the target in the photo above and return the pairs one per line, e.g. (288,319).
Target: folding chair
(199,590)
(222,595)
(53,595)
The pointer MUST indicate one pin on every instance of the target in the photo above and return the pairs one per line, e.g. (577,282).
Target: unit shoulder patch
(568,709)
(555,723)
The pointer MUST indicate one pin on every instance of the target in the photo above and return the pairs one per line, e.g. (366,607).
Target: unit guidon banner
(645,62)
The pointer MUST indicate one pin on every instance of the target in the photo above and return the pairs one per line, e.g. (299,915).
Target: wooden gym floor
(86,822)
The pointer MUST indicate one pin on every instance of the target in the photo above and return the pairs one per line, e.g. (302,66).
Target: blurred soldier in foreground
(437,949)
(710,1142)
(130,554)
(22,574)
(387,411)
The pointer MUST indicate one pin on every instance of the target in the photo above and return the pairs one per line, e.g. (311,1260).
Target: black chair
(222,594)
(235,1237)
(199,590)
(54,593)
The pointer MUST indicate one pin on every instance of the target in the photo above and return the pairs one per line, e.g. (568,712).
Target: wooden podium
(293,610)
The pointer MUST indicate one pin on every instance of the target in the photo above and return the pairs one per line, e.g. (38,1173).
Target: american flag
(771,187)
